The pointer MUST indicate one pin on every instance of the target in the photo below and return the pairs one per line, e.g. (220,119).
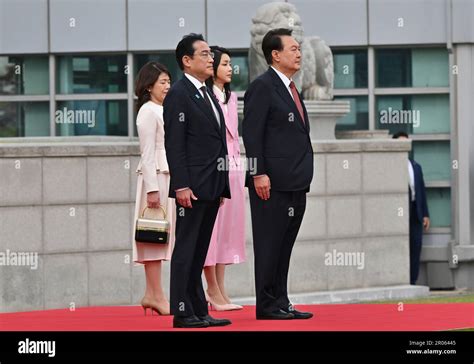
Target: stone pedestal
(362,134)
(323,116)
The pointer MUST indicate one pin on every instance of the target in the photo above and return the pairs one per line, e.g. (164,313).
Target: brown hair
(147,76)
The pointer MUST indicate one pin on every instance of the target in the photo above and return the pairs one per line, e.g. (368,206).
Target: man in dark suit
(195,143)
(276,138)
(419,215)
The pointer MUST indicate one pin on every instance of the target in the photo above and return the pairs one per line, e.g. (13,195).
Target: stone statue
(316,76)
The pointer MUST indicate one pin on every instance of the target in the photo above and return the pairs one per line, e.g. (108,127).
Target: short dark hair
(399,134)
(272,42)
(185,47)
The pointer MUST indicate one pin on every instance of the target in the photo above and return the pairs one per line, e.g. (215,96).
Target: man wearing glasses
(195,143)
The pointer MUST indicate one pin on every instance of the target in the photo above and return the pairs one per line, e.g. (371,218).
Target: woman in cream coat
(153,180)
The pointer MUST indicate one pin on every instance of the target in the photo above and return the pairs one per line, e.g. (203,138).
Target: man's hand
(184,197)
(262,186)
(153,199)
(222,201)
(426,223)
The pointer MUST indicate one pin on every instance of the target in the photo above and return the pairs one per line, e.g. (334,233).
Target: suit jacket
(421,205)
(195,143)
(281,148)
(152,144)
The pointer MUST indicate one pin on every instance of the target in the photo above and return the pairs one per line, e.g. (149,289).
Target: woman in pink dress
(227,244)
(153,83)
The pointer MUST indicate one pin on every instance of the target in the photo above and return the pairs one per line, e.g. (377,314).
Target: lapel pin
(197,96)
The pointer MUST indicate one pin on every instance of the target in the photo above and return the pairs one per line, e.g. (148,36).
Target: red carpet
(331,317)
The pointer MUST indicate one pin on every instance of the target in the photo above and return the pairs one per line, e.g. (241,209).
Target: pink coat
(232,129)
(227,244)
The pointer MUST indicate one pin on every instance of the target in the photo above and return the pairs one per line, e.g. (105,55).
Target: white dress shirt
(220,96)
(411,175)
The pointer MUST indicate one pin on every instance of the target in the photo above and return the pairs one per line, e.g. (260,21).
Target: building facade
(67,68)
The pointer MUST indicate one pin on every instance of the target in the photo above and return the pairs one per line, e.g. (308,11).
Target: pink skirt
(227,244)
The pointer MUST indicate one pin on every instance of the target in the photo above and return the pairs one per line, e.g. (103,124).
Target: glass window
(96,117)
(135,131)
(439,206)
(350,68)
(358,118)
(91,74)
(424,67)
(414,114)
(24,119)
(430,67)
(434,113)
(435,159)
(393,67)
(240,75)
(24,75)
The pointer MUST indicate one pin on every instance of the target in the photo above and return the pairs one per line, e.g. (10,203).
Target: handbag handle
(160,207)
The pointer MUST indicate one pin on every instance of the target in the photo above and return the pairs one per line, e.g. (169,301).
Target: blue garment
(418,210)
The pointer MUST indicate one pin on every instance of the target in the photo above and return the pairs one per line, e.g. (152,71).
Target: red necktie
(297,100)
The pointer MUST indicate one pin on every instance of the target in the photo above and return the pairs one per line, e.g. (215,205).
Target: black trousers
(275,226)
(193,233)
(416,235)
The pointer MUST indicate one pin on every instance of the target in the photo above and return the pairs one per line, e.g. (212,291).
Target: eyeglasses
(206,54)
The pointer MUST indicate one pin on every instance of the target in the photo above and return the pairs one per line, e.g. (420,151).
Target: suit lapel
(231,129)
(229,123)
(306,124)
(197,98)
(285,95)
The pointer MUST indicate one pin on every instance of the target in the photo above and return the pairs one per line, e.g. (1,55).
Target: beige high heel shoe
(153,306)
(218,307)
(237,307)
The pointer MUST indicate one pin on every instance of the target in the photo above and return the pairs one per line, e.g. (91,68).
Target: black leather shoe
(275,315)
(298,315)
(189,322)
(215,322)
